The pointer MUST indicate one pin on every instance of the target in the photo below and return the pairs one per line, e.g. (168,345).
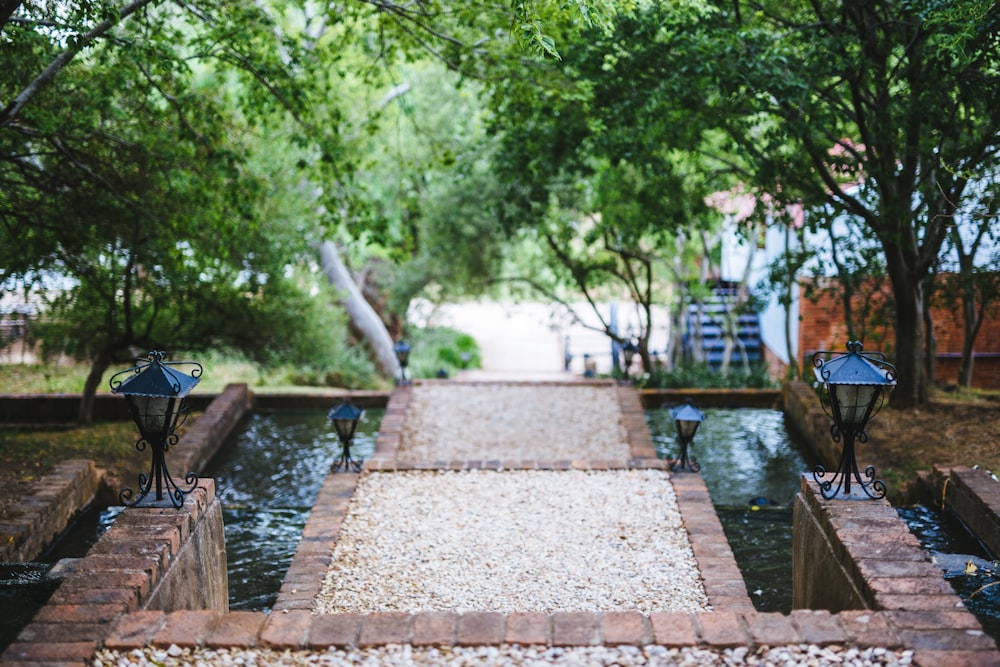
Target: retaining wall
(973,495)
(851,554)
(35,521)
(713,398)
(152,558)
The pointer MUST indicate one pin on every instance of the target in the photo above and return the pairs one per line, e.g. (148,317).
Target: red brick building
(822,327)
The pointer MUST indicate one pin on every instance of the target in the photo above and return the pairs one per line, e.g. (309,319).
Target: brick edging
(300,629)
(33,522)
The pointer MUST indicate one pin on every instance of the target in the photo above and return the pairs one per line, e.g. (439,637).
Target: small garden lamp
(687,418)
(155,392)
(345,419)
(629,350)
(402,350)
(856,386)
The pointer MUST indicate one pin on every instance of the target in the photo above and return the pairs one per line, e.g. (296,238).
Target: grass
(28,455)
(69,378)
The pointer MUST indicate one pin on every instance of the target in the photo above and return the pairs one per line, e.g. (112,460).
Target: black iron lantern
(687,418)
(345,418)
(629,350)
(155,392)
(402,350)
(856,386)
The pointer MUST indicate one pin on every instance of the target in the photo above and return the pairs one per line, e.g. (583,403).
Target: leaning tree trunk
(97,368)
(363,317)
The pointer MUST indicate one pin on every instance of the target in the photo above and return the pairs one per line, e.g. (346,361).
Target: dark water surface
(967,564)
(267,478)
(752,469)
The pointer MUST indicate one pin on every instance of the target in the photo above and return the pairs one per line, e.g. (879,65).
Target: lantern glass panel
(154,415)
(345,428)
(402,350)
(686,429)
(853,403)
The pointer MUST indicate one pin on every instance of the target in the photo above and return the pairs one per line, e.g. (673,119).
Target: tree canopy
(179,164)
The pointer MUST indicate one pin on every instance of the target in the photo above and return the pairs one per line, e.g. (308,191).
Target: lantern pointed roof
(687,412)
(156,379)
(346,410)
(854,368)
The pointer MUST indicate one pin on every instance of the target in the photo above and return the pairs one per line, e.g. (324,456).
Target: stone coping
(300,629)
(971,493)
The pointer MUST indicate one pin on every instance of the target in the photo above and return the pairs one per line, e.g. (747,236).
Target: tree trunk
(97,368)
(363,317)
(911,388)
(793,370)
(930,339)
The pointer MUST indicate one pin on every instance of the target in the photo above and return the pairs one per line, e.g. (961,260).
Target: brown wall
(822,327)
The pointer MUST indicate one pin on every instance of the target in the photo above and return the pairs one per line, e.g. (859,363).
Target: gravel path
(483,421)
(509,656)
(544,541)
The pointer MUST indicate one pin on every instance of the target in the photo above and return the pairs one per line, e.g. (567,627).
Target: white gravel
(510,541)
(509,656)
(492,421)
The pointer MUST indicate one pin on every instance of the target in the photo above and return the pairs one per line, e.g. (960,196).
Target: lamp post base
(847,471)
(166,490)
(346,462)
(685,463)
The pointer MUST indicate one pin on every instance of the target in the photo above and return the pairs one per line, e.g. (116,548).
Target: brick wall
(822,327)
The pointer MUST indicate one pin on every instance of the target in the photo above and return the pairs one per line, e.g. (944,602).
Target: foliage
(440,348)
(703,376)
(885,120)
(597,172)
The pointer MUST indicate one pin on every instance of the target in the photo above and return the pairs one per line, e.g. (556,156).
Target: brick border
(71,630)
(32,523)
(299,629)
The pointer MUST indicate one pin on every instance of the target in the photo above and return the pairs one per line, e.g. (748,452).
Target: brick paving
(106,612)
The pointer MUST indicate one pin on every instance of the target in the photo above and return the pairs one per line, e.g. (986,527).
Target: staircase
(713,343)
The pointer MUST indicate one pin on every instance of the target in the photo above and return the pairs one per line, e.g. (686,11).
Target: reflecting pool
(752,469)
(267,478)
(967,564)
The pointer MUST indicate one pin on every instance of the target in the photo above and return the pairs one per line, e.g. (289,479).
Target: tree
(902,98)
(974,245)
(126,178)
(597,171)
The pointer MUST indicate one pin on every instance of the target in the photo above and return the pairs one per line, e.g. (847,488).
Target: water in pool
(267,478)
(752,469)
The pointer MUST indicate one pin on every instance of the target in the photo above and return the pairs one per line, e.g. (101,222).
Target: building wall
(822,327)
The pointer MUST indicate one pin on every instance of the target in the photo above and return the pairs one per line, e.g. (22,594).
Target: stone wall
(211,430)
(712,398)
(31,525)
(974,495)
(853,553)
(153,558)
(804,413)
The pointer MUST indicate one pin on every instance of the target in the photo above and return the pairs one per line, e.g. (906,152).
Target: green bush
(440,348)
(703,376)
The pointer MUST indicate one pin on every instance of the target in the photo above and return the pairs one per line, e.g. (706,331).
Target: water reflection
(752,469)
(24,589)
(267,478)
(965,562)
